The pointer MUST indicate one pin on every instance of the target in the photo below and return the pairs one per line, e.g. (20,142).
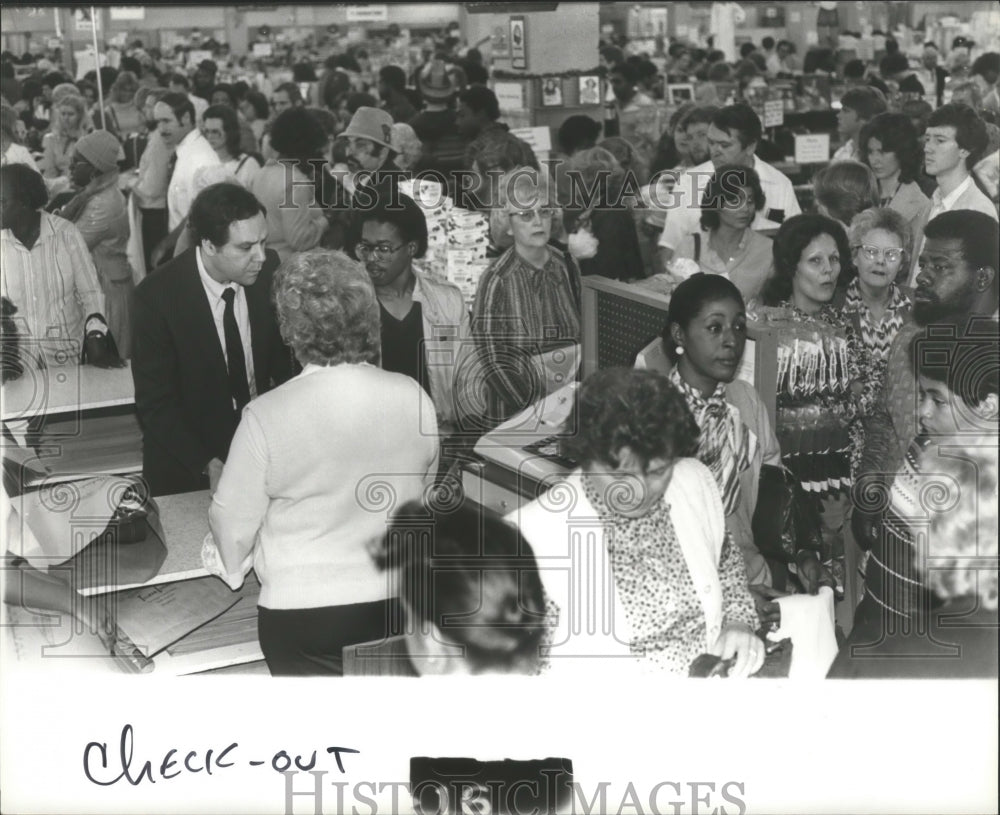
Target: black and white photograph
(552,95)
(678,94)
(391,423)
(590,90)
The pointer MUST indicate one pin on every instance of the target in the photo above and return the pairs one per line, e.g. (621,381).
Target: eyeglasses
(874,253)
(528,215)
(381,251)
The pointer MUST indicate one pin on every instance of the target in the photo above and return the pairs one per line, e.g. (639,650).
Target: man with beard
(958,281)
(206,341)
(370,155)
(955,299)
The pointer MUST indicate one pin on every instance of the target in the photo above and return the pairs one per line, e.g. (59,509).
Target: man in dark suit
(206,341)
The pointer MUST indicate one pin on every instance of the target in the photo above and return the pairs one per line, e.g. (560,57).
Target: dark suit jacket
(181,381)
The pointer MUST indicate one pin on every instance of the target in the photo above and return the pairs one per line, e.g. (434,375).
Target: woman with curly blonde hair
(314,470)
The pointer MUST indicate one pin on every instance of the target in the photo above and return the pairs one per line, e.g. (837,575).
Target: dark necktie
(234,353)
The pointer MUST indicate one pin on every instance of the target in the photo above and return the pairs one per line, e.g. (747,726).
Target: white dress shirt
(684,217)
(193,153)
(213,291)
(965,196)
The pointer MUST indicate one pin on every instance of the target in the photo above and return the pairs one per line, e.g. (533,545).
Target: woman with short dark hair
(221,128)
(726,244)
(289,186)
(314,469)
(704,337)
(471,591)
(666,584)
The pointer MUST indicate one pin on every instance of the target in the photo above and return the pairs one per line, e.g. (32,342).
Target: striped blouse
(54,286)
(521,311)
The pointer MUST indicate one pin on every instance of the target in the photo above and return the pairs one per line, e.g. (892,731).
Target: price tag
(812,148)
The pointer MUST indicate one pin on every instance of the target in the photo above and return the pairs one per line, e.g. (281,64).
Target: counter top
(184,519)
(67,389)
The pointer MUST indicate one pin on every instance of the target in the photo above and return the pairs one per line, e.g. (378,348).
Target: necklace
(727,253)
(887,199)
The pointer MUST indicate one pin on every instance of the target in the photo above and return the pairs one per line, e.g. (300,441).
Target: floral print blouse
(656,588)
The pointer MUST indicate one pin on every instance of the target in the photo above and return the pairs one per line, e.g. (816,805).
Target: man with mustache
(206,341)
(958,281)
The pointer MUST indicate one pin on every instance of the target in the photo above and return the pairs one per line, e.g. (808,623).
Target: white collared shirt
(213,291)
(941,204)
(683,218)
(193,153)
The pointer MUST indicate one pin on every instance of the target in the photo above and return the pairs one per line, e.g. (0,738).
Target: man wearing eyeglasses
(424,322)
(955,140)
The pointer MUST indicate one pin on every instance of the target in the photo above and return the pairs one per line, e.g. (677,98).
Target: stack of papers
(456,238)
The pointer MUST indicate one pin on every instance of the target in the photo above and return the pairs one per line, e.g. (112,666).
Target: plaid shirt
(520,312)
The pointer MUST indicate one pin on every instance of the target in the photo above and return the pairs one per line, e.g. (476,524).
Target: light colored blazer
(446,338)
(569,540)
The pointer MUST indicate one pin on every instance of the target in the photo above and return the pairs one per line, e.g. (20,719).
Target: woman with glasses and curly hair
(676,586)
(314,469)
(874,306)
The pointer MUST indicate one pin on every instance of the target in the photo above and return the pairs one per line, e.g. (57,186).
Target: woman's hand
(737,640)
(812,573)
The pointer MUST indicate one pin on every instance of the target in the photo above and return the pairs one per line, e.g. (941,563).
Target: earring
(680,350)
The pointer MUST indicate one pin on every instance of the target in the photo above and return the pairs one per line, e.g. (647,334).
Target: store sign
(128,12)
(774,113)
(510,95)
(84,21)
(539,139)
(812,148)
(368,14)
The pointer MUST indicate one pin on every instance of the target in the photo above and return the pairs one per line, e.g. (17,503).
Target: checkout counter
(69,423)
(514,464)
(519,460)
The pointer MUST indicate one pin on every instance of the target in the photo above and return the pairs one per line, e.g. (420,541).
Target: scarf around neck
(725,444)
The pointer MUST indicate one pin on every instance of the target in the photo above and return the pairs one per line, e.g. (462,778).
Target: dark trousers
(310,641)
(154,230)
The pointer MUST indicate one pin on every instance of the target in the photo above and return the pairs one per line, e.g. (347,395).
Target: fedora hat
(438,82)
(372,124)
